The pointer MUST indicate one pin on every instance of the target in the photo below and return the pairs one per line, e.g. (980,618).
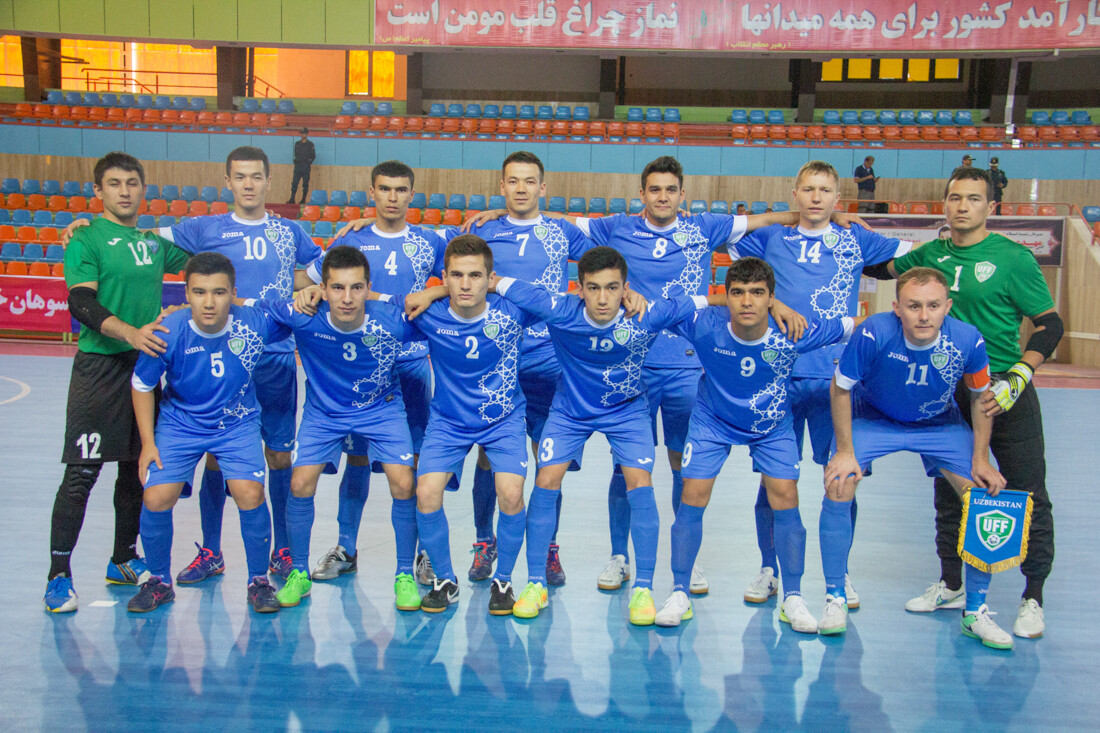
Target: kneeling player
(209,406)
(601,353)
(743,400)
(897,377)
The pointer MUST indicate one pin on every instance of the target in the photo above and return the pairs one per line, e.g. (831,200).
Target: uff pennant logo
(236,345)
(541,231)
(939,360)
(491,330)
(409,248)
(370,340)
(830,239)
(680,238)
(621,335)
(769,355)
(995,528)
(984,270)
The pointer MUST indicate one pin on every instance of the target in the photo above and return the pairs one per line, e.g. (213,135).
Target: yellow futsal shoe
(532,600)
(642,609)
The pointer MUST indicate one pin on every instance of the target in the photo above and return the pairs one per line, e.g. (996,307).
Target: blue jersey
(347,371)
(537,251)
(666,262)
(475,361)
(209,376)
(400,262)
(745,383)
(817,273)
(912,384)
(264,253)
(601,366)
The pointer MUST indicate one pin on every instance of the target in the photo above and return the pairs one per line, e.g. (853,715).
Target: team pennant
(994,530)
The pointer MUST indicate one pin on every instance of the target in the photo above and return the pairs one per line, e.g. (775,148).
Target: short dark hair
(210,263)
(750,270)
(392,169)
(920,276)
(303,131)
(664,164)
(344,257)
(601,258)
(468,244)
(122,161)
(247,152)
(523,156)
(963,173)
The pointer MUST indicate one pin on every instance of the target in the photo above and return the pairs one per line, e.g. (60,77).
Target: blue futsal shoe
(131,572)
(205,565)
(60,596)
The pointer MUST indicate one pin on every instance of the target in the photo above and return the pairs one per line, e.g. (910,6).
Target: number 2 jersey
(889,376)
(601,365)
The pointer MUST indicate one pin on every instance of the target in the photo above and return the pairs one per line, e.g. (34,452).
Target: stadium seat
(11,250)
(849,117)
(436,109)
(338,198)
(285,106)
(162,101)
(776,117)
(318,197)
(577,205)
(365,108)
(198,208)
(36,201)
(508,112)
(472,110)
(431,217)
(383,108)
(868,117)
(54,253)
(559,129)
(852,133)
(653,114)
(72,98)
(1040,117)
(634,130)
(436,201)
(1059,117)
(413,124)
(38,269)
(9,185)
(968,133)
(456,201)
(1048,134)
(51,188)
(545,112)
(351,213)
(1025,210)
(1091,214)
(929,134)
(556,204)
(910,133)
(1048,210)
(943,117)
(964,117)
(719,207)
(834,132)
(907,117)
(616,206)
(781,206)
(357,198)
(55,96)
(63,218)
(476,203)
(15,201)
(95,206)
(276,121)
(394,125)
(635,206)
(995,133)
(491,111)
(146,221)
(949,133)
(615,130)
(872,132)
(21,217)
(189,193)
(697,206)
(635,114)
(758,207)
(887,117)
(78,204)
(925,117)
(42,218)
(250,105)
(165,220)
(419,200)
(1080,117)
(309,212)
(452,218)
(526,112)
(143,101)
(831,117)
(496,201)
(757,117)
(581,112)
(378,123)
(330,213)
(774,132)
(597,205)
(454,110)
(578,128)
(30,186)
(349,108)
(178,208)
(739,117)
(169,192)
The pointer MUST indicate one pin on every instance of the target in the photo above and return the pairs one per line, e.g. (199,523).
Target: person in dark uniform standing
(304,155)
(1000,181)
(866,180)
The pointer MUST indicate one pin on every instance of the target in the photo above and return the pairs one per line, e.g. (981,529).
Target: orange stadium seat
(1026,133)
(1007,210)
(670,129)
(1025,210)
(49,235)
(929,134)
(433,124)
(834,132)
(737,132)
(26,234)
(219,207)
(451,125)
(177,208)
(937,207)
(330,213)
(949,133)
(796,132)
(78,113)
(198,208)
(487,127)
(151,116)
(468,125)
(350,213)
(170,116)
(42,111)
(370,212)
(310,212)
(872,132)
(918,208)
(758,132)
(223,119)
(853,132)
(241,119)
(597,128)
(95,206)
(57,203)
(395,124)
(815,132)
(7,232)
(24,110)
(36,202)
(776,132)
(1089,132)
(158,207)
(452,218)
(276,121)
(39,269)
(143,207)
(891,133)
(116,116)
(58,269)
(651,129)
(968,133)
(1096,229)
(434,217)
(18,269)
(188,117)
(377,124)
(413,216)
(342,123)
(360,123)
(561,128)
(259,120)
(542,128)
(578,127)
(15,201)
(59,112)
(1048,134)
(505,127)
(1048,210)
(1068,133)
(614,129)
(77,204)
(205,118)
(414,124)
(97,114)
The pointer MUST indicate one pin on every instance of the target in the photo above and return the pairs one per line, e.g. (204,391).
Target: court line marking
(26,390)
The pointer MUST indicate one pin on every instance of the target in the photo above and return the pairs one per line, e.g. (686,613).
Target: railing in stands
(108,79)
(268,86)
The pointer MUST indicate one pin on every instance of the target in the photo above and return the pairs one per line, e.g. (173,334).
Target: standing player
(601,353)
(892,391)
(114,273)
(348,351)
(401,259)
(817,269)
(209,407)
(743,400)
(995,282)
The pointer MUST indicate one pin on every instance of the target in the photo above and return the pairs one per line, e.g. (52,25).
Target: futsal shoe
(794,612)
(406,596)
(153,594)
(614,573)
(262,595)
(425,575)
(980,625)
(642,609)
(205,565)
(335,563)
(555,575)
(698,585)
(850,593)
(533,599)
(297,587)
(1029,620)
(835,618)
(763,586)
(131,572)
(938,596)
(281,564)
(60,596)
(501,598)
(676,609)
(444,592)
(485,554)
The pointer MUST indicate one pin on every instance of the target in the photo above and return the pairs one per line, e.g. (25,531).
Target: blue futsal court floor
(347,660)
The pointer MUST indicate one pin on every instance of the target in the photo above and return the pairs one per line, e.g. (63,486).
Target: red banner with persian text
(34,304)
(717,25)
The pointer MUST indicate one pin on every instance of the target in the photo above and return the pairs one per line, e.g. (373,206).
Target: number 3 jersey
(209,376)
(745,382)
(907,383)
(601,365)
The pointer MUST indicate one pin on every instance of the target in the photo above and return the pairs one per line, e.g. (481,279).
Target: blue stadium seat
(152,191)
(832,117)
(357,198)
(60,219)
(868,117)
(526,112)
(31,185)
(496,201)
(5,216)
(420,201)
(616,206)
(126,101)
(456,201)
(322,229)
(653,114)
(672,114)
(888,117)
(144,101)
(563,112)
(197,104)
(739,117)
(349,108)
(545,112)
(365,109)
(87,216)
(437,110)
(180,103)
(268,106)
(51,188)
(162,101)
(472,110)
(285,106)
(757,117)
(209,194)
(1091,214)
(90,99)
(338,198)
(250,105)
(944,117)
(11,251)
(146,221)
(33,252)
(907,117)
(169,192)
(437,201)
(581,113)
(454,110)
(189,193)
(491,112)
(1081,117)
(225,195)
(70,188)
(635,206)
(55,96)
(719,207)
(758,207)
(781,206)
(963,117)
(477,202)
(574,272)
(849,117)
(88,190)
(10,185)
(925,117)
(54,253)
(318,197)
(542,203)
(776,117)
(42,218)
(509,112)
(166,220)
(73,97)
(577,205)
(635,114)
(1060,117)
(697,206)
(21,217)
(597,205)
(1040,117)
(557,203)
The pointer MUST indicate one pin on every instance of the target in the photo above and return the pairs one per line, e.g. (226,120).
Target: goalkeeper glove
(1007,390)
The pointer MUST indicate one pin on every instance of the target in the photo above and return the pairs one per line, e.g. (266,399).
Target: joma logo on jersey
(769,355)
(984,270)
(994,528)
(541,232)
(236,345)
(939,360)
(370,340)
(621,335)
(491,330)
(680,238)
(409,249)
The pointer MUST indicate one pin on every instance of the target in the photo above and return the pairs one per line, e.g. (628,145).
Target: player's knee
(510,502)
(77,483)
(428,498)
(247,494)
(783,497)
(277,460)
(548,478)
(302,488)
(402,484)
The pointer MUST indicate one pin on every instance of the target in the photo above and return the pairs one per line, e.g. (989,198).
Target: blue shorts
(276,380)
(415,377)
(238,449)
(383,431)
(626,429)
(539,383)
(810,406)
(774,454)
(947,445)
(672,391)
(446,444)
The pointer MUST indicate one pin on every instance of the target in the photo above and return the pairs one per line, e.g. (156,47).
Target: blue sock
(403,518)
(854,511)
(790,547)
(835,530)
(557,518)
(687,535)
(299,525)
(977,583)
(645,528)
(212,509)
(278,486)
(256,533)
(618,516)
(485,500)
(354,488)
(677,490)
(156,538)
(510,531)
(765,530)
(435,537)
(540,527)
